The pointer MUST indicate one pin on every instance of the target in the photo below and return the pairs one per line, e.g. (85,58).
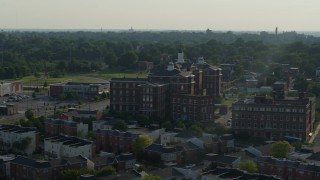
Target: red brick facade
(115,141)
(270,118)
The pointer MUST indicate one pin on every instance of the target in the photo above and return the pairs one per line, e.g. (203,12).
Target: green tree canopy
(29,114)
(248,166)
(301,83)
(120,125)
(151,177)
(167,125)
(280,149)
(128,59)
(141,143)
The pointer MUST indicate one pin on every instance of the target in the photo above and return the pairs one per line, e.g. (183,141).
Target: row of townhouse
(67,146)
(115,141)
(210,142)
(22,167)
(286,169)
(11,137)
(67,127)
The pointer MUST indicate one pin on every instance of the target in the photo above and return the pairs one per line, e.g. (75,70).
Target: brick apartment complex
(274,117)
(59,126)
(115,141)
(26,168)
(10,135)
(67,146)
(86,89)
(182,91)
(286,169)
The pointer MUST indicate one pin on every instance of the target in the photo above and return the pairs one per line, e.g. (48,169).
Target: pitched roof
(186,134)
(31,162)
(160,148)
(225,159)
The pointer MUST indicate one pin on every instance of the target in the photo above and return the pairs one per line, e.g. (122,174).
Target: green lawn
(227,102)
(117,75)
(33,81)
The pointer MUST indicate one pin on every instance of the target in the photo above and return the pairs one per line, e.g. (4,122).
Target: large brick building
(274,117)
(182,91)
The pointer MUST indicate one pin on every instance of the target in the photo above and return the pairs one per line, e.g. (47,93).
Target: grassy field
(116,75)
(89,77)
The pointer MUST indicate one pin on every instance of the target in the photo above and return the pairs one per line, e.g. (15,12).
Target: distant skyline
(234,15)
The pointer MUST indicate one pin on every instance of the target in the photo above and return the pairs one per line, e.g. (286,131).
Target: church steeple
(180,57)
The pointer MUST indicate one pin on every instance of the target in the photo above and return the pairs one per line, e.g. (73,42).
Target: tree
(167,125)
(120,125)
(301,83)
(248,166)
(111,59)
(45,84)
(29,114)
(109,170)
(151,177)
(280,149)
(128,59)
(196,129)
(181,125)
(141,143)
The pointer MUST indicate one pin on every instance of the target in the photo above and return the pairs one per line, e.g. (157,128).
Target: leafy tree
(301,83)
(29,114)
(120,125)
(45,84)
(141,143)
(181,125)
(109,170)
(111,59)
(248,166)
(196,129)
(128,59)
(167,125)
(104,95)
(23,144)
(280,149)
(151,177)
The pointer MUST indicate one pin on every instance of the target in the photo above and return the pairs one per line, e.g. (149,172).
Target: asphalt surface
(43,105)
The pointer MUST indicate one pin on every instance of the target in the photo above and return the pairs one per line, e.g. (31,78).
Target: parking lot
(42,105)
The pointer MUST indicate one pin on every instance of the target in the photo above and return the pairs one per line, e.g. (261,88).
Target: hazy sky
(299,15)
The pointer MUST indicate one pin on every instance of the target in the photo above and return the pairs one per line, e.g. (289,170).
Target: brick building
(59,126)
(26,168)
(181,91)
(115,141)
(274,117)
(286,169)
(120,162)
